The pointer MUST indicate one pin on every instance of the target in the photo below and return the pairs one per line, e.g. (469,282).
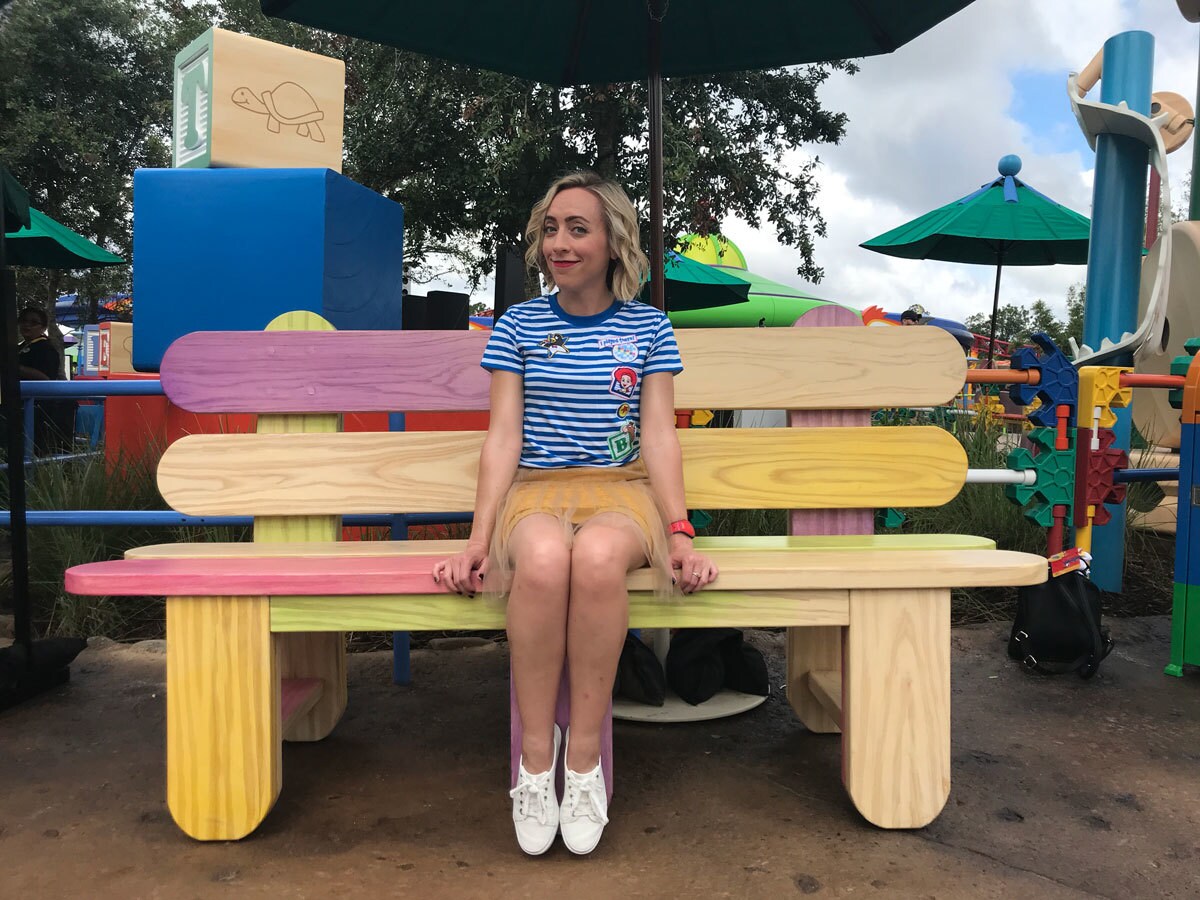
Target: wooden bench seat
(854,542)
(255,651)
(394,591)
(402,574)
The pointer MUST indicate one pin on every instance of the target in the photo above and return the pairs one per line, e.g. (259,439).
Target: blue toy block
(230,249)
(1059,385)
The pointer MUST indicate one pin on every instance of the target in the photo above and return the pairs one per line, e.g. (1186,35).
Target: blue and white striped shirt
(583,377)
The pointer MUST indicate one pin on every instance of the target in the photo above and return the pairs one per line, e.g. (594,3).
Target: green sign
(192,141)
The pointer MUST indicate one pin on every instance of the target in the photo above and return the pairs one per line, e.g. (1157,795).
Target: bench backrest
(313,373)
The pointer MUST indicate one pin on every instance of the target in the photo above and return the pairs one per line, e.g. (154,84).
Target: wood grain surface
(410,371)
(896,706)
(394,574)
(752,468)
(854,542)
(437,612)
(223,715)
(810,649)
(320,655)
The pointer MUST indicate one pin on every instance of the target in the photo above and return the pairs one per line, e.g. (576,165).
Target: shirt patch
(620,445)
(554,343)
(623,411)
(624,380)
(625,353)
(614,340)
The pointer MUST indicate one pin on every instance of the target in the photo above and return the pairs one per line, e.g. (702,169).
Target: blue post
(1115,254)
(30,413)
(401,661)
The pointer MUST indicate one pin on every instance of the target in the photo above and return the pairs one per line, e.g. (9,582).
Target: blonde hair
(629,270)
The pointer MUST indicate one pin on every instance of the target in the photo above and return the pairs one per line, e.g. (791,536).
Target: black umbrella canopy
(571,42)
(566,43)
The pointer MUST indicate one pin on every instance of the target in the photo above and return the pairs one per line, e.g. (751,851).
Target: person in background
(910,317)
(39,361)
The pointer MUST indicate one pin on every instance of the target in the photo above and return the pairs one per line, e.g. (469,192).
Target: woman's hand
(463,573)
(692,570)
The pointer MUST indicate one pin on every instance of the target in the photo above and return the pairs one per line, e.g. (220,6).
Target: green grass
(85,484)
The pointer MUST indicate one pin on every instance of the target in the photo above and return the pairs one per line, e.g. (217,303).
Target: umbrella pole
(10,401)
(995,312)
(27,668)
(657,251)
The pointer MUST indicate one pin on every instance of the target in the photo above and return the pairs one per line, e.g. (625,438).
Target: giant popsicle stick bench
(254,631)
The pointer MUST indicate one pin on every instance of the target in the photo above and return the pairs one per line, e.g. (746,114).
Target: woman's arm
(664,463)
(497,466)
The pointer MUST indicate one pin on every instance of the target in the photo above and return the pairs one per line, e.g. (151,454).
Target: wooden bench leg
(896,714)
(318,654)
(816,649)
(562,715)
(224,758)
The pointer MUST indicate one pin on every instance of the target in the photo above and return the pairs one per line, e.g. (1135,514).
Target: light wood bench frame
(255,650)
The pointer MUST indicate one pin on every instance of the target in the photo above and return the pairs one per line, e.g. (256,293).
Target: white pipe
(1001,476)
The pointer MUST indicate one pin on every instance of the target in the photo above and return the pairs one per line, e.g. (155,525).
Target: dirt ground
(1061,789)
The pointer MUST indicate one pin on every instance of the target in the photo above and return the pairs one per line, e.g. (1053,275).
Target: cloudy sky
(928,124)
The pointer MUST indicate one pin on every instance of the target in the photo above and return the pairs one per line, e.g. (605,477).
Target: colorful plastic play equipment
(1125,138)
(1185,614)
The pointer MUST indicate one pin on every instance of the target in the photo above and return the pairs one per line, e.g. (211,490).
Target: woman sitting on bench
(580,481)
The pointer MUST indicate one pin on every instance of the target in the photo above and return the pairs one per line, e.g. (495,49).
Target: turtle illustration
(287,104)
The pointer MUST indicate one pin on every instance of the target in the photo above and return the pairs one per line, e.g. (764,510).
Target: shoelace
(584,794)
(534,795)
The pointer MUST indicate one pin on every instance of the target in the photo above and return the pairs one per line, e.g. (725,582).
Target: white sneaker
(535,805)
(584,810)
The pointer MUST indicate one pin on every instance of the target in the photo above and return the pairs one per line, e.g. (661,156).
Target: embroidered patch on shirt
(620,445)
(613,340)
(554,343)
(623,411)
(624,380)
(625,353)
(624,346)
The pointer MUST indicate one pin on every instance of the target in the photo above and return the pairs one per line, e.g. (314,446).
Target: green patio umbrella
(1005,222)
(692,285)
(768,303)
(572,42)
(47,244)
(29,667)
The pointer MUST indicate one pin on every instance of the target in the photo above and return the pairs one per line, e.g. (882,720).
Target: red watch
(683,526)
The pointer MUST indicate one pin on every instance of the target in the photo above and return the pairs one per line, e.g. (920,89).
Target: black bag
(701,661)
(1058,629)
(640,676)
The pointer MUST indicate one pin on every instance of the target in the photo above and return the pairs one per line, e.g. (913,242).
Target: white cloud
(928,124)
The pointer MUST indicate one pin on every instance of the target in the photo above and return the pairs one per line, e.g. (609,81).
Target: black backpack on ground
(1057,629)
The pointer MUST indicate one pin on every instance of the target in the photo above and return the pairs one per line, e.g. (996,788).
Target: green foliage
(85,484)
(1012,322)
(981,509)
(85,95)
(1016,324)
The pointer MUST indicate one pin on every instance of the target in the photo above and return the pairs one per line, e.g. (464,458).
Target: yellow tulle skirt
(575,495)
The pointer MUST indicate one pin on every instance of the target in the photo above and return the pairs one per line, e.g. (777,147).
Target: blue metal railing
(32,390)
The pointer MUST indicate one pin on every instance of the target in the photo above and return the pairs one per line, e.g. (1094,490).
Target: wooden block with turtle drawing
(243,102)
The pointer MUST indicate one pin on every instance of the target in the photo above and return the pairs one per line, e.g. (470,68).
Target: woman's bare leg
(537,630)
(606,548)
